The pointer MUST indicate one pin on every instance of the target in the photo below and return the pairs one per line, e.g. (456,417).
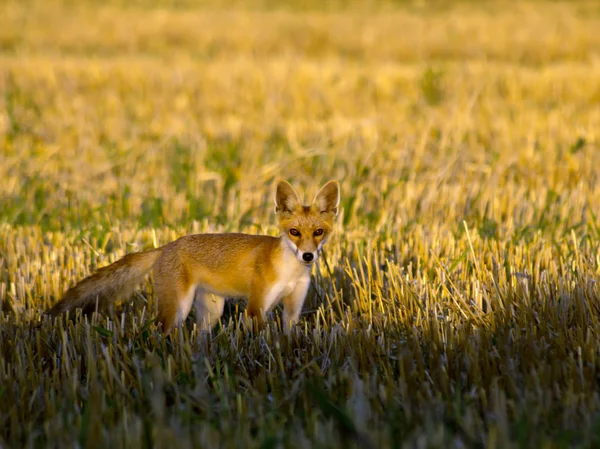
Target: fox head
(305,229)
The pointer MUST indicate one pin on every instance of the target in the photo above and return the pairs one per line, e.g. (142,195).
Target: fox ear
(328,198)
(286,198)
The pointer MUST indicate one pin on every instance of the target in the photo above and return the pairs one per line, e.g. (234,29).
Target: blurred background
(164,112)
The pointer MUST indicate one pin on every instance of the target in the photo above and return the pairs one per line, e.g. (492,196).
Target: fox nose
(308,257)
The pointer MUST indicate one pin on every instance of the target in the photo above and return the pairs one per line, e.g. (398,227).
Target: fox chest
(280,290)
(289,277)
(288,288)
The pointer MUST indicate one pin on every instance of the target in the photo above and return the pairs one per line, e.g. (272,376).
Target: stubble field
(457,304)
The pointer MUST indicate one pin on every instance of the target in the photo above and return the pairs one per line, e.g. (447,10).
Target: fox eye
(294,232)
(318,232)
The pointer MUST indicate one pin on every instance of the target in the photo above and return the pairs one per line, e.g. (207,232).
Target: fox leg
(292,304)
(260,303)
(254,309)
(209,308)
(174,303)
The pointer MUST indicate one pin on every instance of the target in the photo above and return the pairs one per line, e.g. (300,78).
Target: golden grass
(457,305)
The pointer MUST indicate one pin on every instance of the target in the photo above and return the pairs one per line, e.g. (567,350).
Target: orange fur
(205,268)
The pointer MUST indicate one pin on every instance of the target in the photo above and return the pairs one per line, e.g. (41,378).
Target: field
(457,304)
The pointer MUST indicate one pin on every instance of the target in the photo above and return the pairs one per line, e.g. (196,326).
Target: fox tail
(107,284)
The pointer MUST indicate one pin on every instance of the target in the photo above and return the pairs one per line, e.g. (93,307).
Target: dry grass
(459,303)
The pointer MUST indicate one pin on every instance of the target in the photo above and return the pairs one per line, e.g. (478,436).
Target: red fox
(206,268)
